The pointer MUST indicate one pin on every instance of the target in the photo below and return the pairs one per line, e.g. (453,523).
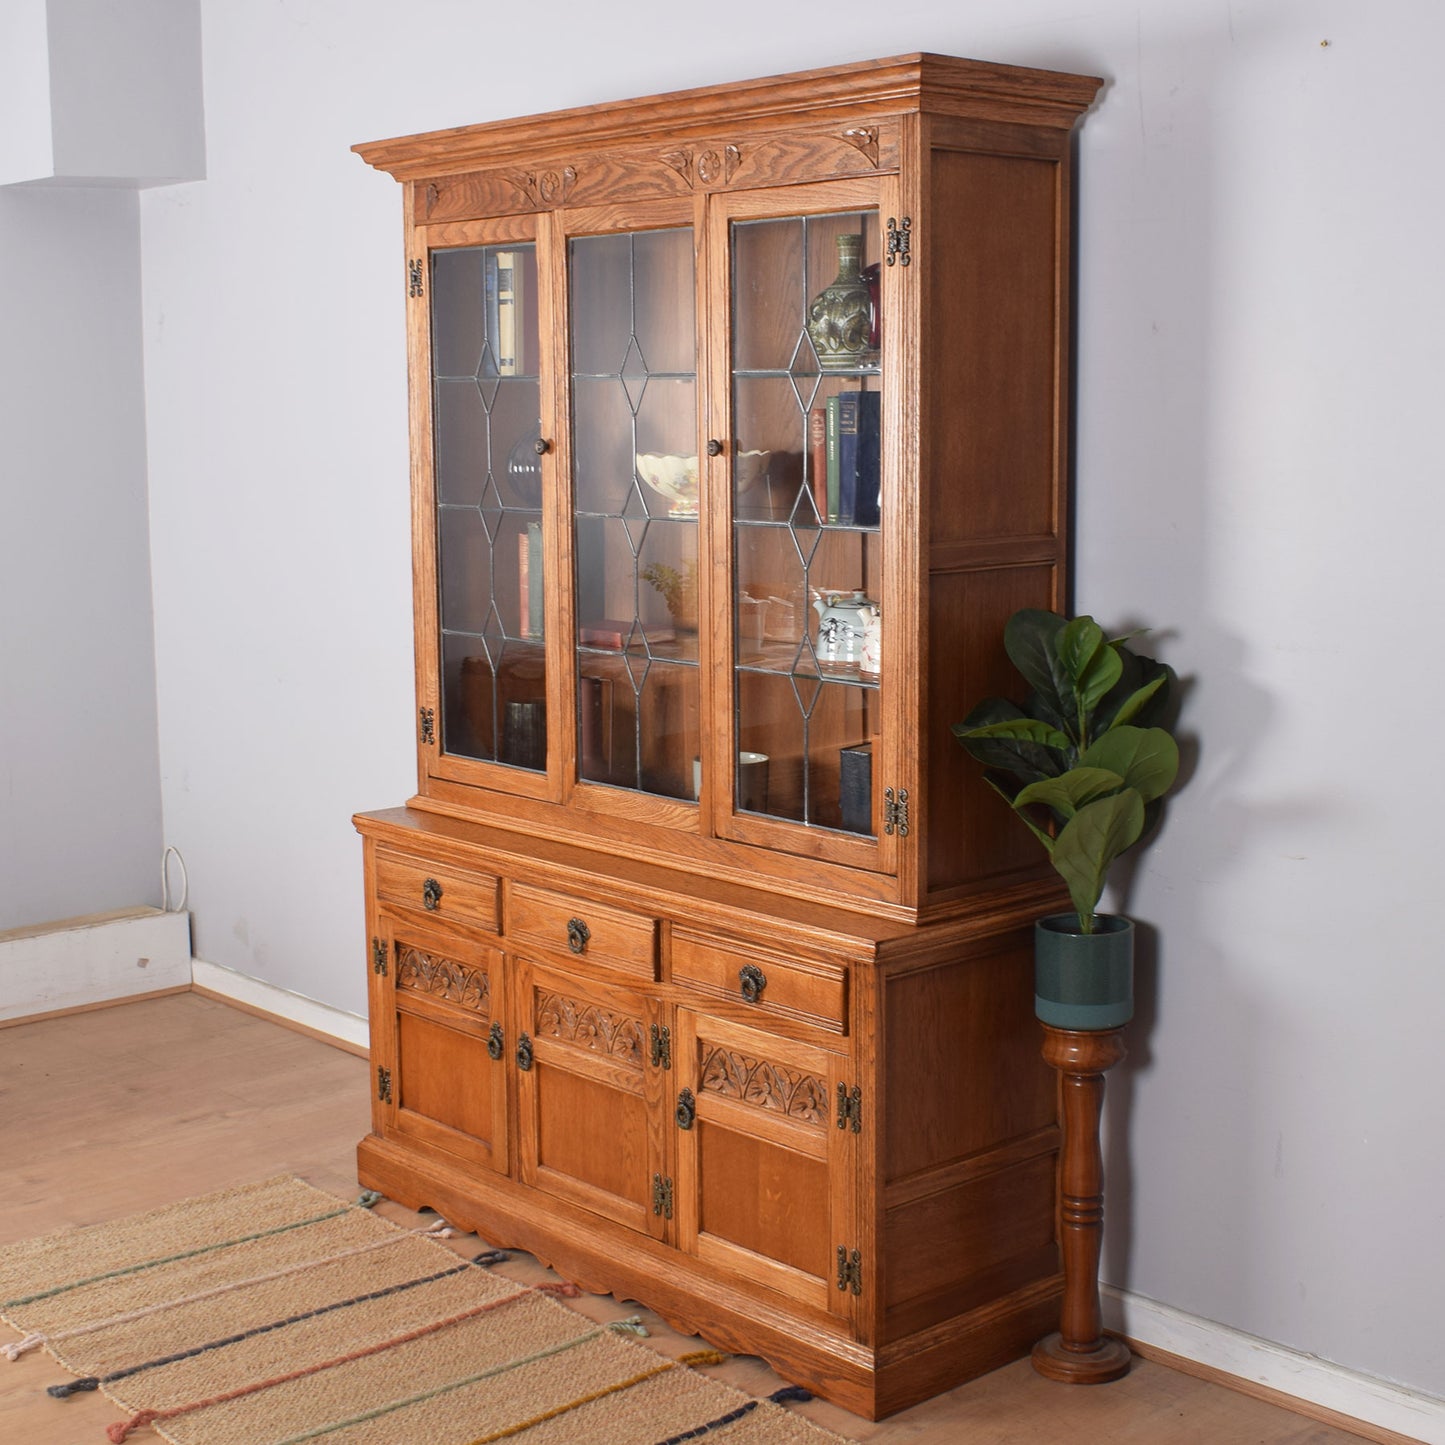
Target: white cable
(166,882)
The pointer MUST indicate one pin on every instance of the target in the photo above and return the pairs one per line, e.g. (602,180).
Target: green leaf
(1146,758)
(1070,791)
(1132,705)
(1028,638)
(1020,729)
(1077,643)
(1044,837)
(1090,841)
(1103,671)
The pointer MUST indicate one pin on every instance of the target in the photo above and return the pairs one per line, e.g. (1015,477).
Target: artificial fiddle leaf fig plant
(1085,756)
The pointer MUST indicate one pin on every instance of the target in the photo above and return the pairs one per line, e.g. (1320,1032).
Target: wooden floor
(122,1109)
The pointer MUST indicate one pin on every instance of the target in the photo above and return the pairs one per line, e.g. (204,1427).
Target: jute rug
(275,1314)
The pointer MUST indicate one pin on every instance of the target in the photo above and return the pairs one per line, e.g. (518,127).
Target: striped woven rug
(276,1314)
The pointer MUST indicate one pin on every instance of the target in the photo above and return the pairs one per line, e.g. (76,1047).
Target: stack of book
(843,437)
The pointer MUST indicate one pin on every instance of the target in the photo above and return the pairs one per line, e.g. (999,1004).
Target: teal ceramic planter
(1084,980)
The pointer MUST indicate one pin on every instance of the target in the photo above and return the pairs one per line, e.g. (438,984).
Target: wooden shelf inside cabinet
(731,877)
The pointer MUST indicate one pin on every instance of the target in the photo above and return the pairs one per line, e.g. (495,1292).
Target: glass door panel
(634,447)
(485,411)
(807,550)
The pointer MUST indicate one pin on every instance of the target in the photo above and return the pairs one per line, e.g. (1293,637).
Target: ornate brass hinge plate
(383,1085)
(661,1046)
(850,1107)
(895,812)
(378,957)
(415,270)
(900,241)
(662,1196)
(428,722)
(850,1270)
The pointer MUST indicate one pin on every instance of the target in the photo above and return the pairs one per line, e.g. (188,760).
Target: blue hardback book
(858,458)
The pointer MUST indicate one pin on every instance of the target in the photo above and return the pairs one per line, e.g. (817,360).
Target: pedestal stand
(1080,1353)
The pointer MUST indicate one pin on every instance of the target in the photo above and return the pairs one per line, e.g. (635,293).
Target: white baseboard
(307,1013)
(1260,1362)
(82,962)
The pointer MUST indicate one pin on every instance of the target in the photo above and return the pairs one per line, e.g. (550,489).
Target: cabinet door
(480,604)
(806,386)
(631,391)
(441,1076)
(766,1178)
(590,1068)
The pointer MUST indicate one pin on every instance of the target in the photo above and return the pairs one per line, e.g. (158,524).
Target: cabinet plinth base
(1108,1360)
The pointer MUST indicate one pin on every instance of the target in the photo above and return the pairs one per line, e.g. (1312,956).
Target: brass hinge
(428,717)
(850,1270)
(900,241)
(661,1046)
(415,269)
(383,1085)
(378,957)
(850,1107)
(662,1196)
(895,812)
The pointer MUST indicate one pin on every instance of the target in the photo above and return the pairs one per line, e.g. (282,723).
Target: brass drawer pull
(495,1041)
(752,980)
(524,1054)
(431,895)
(686,1109)
(578,934)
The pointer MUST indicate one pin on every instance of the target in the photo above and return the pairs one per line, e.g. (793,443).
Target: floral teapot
(843,619)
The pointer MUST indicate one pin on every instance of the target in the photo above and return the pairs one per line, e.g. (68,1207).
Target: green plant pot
(1084,980)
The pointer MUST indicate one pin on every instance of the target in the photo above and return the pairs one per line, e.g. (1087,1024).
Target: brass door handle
(578,934)
(431,895)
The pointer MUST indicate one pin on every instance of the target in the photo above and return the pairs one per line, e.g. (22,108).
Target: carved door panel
(591,1062)
(766,1173)
(441,1079)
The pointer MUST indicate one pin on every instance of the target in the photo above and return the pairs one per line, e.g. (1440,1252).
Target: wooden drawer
(815,993)
(445,893)
(578,927)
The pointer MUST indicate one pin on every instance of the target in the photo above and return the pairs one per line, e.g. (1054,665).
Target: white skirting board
(81,962)
(296,1008)
(1249,1359)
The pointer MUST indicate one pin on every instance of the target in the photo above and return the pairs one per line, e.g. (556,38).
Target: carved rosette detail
(764,1085)
(551,188)
(458,983)
(865,138)
(713,167)
(591,1028)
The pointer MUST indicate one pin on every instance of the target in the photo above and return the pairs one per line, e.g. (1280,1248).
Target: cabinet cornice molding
(850,95)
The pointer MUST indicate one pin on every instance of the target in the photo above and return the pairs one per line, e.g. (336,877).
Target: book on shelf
(509,313)
(832,451)
(529,580)
(818,459)
(615,632)
(858,458)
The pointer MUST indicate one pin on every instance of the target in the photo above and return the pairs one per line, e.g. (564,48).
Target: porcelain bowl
(750,468)
(672,478)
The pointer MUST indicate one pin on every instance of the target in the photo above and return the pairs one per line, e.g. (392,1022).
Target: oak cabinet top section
(903,85)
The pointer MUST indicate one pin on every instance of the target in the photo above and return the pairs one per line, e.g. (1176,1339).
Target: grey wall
(80,801)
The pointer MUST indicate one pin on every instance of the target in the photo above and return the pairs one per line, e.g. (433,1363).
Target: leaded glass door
(803,383)
(486,561)
(632,386)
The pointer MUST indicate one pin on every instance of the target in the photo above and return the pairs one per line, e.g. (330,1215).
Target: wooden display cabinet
(700,961)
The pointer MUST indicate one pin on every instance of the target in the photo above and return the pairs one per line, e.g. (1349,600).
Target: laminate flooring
(117,1110)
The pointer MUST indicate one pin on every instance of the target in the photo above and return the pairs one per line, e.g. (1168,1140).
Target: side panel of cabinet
(589,1096)
(766,1181)
(438,1031)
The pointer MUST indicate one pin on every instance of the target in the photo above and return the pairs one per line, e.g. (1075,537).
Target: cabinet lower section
(822,1139)
(712,1301)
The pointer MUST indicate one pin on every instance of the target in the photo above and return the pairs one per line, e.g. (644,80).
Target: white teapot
(870,659)
(842,622)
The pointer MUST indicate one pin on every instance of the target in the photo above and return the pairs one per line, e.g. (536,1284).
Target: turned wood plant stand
(1080,1353)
